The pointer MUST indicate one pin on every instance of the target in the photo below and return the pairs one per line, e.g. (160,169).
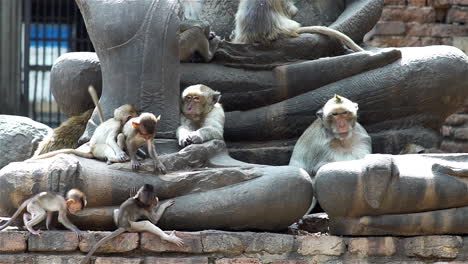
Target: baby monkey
(43,205)
(127,216)
(137,132)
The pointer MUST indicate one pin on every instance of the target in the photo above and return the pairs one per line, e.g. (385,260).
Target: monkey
(263,21)
(127,216)
(202,117)
(66,135)
(196,40)
(334,136)
(418,149)
(103,144)
(43,205)
(135,133)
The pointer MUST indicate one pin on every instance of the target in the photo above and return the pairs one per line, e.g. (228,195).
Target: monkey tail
(331,33)
(88,155)
(95,98)
(16,214)
(117,232)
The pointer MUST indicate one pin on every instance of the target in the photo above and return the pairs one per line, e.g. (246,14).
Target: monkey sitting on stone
(66,135)
(103,144)
(418,149)
(131,211)
(202,117)
(264,21)
(43,205)
(137,132)
(196,41)
(334,136)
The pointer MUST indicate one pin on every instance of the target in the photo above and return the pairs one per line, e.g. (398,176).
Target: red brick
(53,241)
(390,28)
(439,3)
(13,241)
(428,41)
(158,260)
(419,30)
(409,14)
(238,261)
(192,243)
(394,41)
(457,14)
(122,243)
(395,2)
(419,3)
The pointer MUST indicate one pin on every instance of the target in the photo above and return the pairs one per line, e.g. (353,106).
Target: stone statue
(271,95)
(396,194)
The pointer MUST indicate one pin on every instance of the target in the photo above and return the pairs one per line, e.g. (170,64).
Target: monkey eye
(196,98)
(188,97)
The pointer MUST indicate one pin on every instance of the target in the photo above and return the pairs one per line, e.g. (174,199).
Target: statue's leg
(448,221)
(423,88)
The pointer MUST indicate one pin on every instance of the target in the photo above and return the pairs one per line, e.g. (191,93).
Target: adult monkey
(264,21)
(334,136)
(202,117)
(196,41)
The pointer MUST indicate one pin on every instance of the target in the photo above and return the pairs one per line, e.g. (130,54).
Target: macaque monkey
(333,136)
(196,40)
(418,149)
(263,21)
(66,135)
(137,132)
(127,216)
(43,205)
(202,116)
(103,144)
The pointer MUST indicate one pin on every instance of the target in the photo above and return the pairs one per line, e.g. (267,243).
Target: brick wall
(422,23)
(217,247)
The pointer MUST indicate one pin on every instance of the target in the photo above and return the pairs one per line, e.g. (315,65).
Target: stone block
(289,261)
(460,2)
(157,260)
(461,43)
(53,241)
(192,243)
(457,119)
(439,3)
(419,3)
(409,14)
(452,146)
(433,246)
(395,2)
(321,245)
(119,260)
(270,243)
(390,28)
(13,241)
(57,259)
(123,243)
(223,242)
(15,259)
(458,14)
(373,246)
(394,41)
(460,133)
(238,261)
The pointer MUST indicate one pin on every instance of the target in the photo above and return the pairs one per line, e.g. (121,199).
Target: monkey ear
(135,124)
(216,97)
(319,113)
(356,106)
(158,118)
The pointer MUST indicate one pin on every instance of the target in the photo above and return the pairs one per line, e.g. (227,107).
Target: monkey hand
(160,168)
(174,239)
(168,204)
(79,233)
(122,156)
(135,164)
(195,138)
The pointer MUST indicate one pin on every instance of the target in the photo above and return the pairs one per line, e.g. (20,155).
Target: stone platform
(219,247)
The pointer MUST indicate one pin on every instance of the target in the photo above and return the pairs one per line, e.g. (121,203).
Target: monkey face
(341,123)
(74,206)
(193,106)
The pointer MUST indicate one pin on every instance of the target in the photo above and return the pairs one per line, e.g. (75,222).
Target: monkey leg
(147,226)
(104,152)
(38,214)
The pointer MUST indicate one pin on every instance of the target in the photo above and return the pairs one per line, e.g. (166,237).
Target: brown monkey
(42,205)
(202,116)
(333,136)
(103,144)
(195,39)
(66,135)
(127,216)
(264,21)
(137,132)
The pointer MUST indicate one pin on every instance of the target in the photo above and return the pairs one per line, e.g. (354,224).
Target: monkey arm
(63,219)
(154,218)
(158,166)
(112,143)
(183,131)
(358,18)
(213,127)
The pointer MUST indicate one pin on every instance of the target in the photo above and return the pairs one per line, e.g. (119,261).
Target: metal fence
(50,28)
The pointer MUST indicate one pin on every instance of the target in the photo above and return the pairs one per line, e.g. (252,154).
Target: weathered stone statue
(271,95)
(396,194)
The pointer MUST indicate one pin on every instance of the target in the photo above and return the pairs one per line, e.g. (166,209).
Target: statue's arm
(358,18)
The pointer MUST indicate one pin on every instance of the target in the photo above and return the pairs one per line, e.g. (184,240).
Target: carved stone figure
(270,94)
